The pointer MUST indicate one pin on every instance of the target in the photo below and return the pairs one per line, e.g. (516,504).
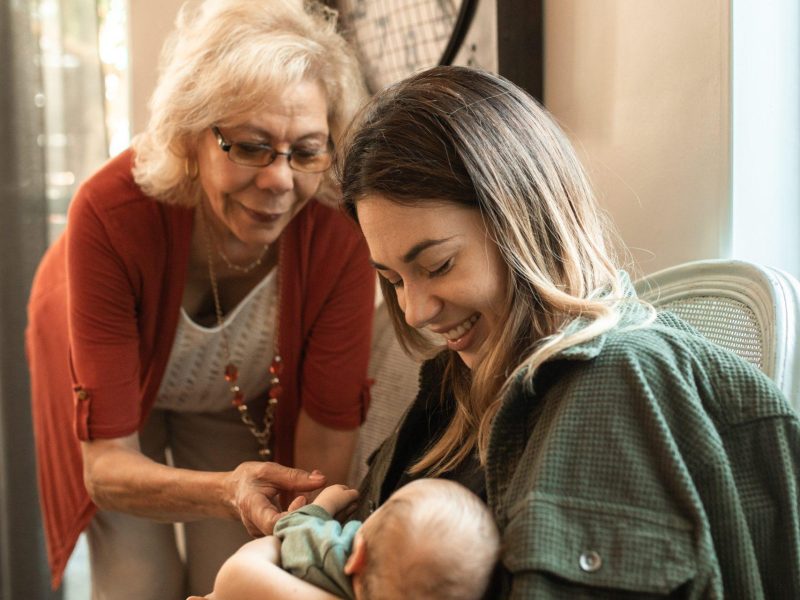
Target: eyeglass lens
(259,155)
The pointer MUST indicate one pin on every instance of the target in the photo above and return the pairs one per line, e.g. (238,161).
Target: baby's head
(432,539)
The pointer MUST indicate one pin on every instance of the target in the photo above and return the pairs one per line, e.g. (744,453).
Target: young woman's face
(447,273)
(254,204)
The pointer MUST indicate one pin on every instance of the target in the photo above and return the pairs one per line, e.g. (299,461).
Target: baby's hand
(338,500)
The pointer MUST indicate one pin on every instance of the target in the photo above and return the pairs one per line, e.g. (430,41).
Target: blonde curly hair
(223,58)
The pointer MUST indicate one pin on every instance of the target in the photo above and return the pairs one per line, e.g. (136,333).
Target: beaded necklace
(262,433)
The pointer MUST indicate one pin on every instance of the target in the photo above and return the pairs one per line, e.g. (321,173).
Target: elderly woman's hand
(253,490)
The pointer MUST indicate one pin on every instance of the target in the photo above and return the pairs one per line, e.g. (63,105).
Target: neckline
(231,315)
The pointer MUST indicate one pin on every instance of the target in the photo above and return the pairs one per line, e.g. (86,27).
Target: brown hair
(477,140)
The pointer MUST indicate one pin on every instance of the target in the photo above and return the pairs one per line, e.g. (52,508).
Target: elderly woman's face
(448,274)
(254,204)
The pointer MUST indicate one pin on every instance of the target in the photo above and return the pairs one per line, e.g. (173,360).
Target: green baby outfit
(315,548)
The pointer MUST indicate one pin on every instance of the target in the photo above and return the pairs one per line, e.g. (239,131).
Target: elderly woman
(203,313)
(622,455)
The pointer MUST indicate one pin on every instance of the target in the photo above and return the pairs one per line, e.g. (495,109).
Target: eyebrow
(268,135)
(415,251)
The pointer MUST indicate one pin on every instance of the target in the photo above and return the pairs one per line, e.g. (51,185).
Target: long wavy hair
(217,67)
(477,140)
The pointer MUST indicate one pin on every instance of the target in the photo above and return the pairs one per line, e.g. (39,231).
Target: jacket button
(590,561)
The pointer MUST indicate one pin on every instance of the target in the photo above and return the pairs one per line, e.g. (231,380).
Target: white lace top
(194,379)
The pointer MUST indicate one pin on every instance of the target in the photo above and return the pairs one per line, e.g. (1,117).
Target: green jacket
(644,463)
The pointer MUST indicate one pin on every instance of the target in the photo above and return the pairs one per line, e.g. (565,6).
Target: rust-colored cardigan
(103,314)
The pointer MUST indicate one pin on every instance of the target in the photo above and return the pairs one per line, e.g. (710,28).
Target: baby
(433,539)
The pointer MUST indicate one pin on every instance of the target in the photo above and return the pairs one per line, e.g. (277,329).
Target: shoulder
(110,187)
(667,365)
(110,207)
(680,352)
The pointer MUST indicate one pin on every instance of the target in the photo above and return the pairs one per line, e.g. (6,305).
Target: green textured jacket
(645,463)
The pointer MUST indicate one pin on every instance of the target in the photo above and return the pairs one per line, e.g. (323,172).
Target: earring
(191,168)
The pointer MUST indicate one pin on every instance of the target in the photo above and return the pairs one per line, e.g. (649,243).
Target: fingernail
(315,474)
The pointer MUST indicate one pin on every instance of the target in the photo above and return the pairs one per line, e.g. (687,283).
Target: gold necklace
(244,269)
(231,373)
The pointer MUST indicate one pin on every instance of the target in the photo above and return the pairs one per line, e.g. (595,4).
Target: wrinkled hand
(254,488)
(339,500)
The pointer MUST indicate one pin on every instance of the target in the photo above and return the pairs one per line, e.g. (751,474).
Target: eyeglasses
(251,154)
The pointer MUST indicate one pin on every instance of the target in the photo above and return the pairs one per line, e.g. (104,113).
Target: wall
(641,86)
(149,22)
(479,48)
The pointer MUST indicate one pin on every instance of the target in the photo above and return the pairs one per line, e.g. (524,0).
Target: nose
(276,177)
(418,304)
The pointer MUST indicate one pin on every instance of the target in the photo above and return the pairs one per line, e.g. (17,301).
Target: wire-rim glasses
(251,154)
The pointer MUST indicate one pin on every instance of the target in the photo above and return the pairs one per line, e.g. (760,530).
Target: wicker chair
(750,309)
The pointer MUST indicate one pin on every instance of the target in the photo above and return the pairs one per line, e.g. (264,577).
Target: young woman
(202,303)
(623,455)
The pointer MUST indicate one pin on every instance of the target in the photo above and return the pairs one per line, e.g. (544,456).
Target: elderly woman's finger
(287,478)
(262,516)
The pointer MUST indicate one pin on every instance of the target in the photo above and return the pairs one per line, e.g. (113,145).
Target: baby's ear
(358,557)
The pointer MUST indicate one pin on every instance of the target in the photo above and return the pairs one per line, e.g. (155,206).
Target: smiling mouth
(460,330)
(261,217)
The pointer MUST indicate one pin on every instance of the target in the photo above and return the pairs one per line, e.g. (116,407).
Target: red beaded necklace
(262,433)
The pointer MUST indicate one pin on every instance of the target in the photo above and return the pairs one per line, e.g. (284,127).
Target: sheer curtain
(53,131)
(74,134)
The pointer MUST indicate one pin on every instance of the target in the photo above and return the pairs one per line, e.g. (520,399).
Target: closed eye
(245,148)
(439,271)
(396,283)
(308,153)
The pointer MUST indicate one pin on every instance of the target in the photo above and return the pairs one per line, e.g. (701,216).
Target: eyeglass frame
(226,146)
